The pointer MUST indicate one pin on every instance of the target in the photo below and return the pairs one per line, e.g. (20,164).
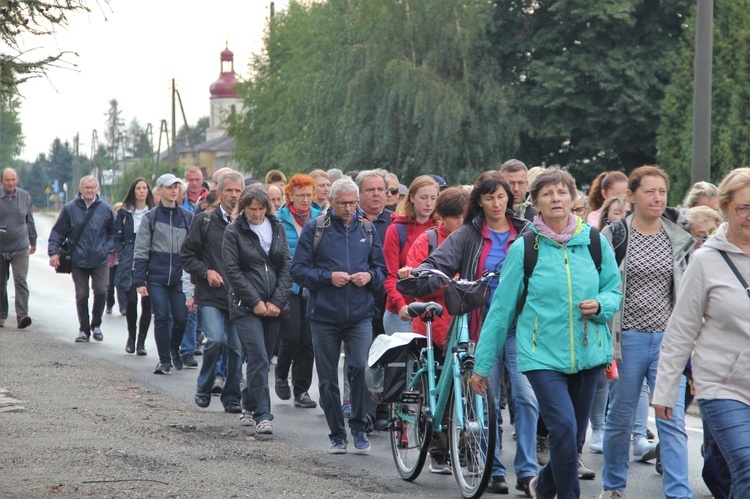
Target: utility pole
(701,166)
(172,156)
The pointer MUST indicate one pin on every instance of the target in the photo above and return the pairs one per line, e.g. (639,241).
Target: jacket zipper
(570,311)
(171,250)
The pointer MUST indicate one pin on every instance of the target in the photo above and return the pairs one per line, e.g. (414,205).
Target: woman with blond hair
(414,215)
(710,323)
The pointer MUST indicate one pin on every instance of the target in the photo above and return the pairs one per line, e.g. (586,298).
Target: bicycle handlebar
(424,273)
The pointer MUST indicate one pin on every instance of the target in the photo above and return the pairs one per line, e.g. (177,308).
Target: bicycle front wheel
(411,428)
(473,433)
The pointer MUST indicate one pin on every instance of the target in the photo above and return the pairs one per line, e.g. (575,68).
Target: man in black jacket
(201,258)
(90,257)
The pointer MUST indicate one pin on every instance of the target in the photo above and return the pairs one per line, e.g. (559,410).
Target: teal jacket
(550,331)
(293,230)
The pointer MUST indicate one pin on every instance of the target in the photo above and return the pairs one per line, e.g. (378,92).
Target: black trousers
(296,348)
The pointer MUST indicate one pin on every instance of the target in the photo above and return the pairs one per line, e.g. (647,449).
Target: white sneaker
(264,428)
(611,494)
(439,468)
(643,450)
(247,419)
(597,441)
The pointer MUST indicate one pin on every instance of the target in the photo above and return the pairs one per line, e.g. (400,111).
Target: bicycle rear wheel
(472,445)
(411,427)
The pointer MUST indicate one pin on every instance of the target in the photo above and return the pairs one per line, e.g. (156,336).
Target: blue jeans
(729,423)
(640,357)
(221,335)
(189,339)
(392,323)
(168,301)
(599,407)
(256,396)
(565,404)
(327,339)
(526,410)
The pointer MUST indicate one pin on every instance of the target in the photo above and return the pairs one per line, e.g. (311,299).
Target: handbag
(461,297)
(66,248)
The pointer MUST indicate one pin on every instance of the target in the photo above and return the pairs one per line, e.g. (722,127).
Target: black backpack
(323,221)
(531,255)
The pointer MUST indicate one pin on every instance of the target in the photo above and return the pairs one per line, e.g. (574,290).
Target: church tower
(224,98)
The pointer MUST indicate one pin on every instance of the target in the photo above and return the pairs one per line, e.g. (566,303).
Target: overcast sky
(130,53)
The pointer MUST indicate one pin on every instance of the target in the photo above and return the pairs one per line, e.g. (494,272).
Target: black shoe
(202,399)
(282,389)
(109,310)
(189,361)
(83,337)
(163,368)
(24,322)
(140,350)
(305,402)
(177,360)
(130,345)
(522,484)
(233,407)
(498,485)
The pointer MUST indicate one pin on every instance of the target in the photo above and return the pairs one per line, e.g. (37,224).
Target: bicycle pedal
(411,397)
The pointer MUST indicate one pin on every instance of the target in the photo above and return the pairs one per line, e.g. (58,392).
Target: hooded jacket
(395,254)
(157,252)
(682,245)
(551,332)
(347,249)
(97,239)
(293,229)
(711,319)
(251,276)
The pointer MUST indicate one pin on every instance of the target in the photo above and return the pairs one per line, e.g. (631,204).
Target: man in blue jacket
(342,265)
(90,258)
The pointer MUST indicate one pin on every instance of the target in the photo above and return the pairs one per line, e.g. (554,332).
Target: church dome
(224,87)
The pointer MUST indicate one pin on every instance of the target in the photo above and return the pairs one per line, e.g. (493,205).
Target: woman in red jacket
(451,208)
(414,215)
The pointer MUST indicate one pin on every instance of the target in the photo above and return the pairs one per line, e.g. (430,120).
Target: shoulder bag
(67,247)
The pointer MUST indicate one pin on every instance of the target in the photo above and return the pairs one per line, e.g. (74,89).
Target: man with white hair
(91,222)
(340,261)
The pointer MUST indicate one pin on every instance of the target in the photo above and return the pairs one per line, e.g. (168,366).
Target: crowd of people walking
(604,300)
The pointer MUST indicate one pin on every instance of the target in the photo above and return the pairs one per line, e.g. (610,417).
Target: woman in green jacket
(562,336)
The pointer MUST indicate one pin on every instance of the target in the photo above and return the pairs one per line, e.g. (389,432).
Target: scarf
(561,238)
(301,217)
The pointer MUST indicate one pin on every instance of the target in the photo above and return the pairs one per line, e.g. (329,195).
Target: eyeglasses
(393,191)
(741,211)
(344,204)
(522,183)
(580,210)
(302,196)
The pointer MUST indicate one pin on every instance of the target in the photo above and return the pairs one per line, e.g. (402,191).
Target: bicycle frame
(439,393)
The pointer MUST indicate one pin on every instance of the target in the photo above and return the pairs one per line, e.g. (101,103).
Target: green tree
(409,86)
(11,135)
(139,143)
(590,77)
(24,20)
(114,128)
(59,165)
(730,107)
(35,181)
(195,134)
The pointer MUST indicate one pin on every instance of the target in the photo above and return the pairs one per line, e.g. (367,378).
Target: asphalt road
(53,311)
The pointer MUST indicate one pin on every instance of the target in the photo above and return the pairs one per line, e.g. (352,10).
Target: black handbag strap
(736,272)
(80,231)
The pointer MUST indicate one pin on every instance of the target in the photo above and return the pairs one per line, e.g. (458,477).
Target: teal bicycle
(430,405)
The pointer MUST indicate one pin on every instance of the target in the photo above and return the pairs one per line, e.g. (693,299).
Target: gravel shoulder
(92,428)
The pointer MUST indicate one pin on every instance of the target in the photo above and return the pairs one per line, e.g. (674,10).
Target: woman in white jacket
(711,319)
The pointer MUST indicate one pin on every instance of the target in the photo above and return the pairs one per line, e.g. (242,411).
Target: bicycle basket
(461,297)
